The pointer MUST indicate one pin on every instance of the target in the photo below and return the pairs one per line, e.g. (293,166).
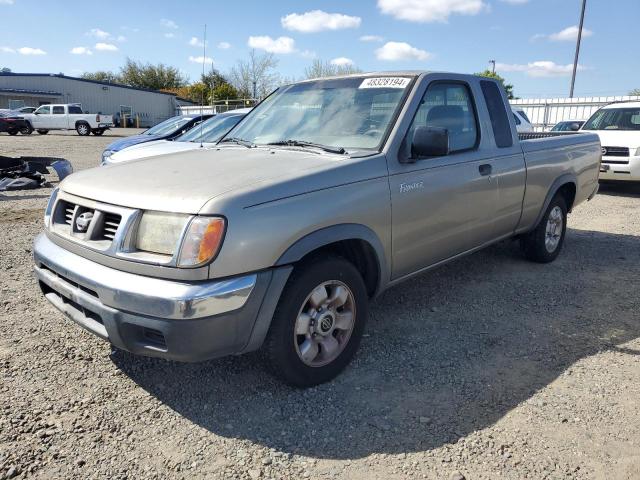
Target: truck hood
(156,147)
(184,182)
(132,140)
(618,138)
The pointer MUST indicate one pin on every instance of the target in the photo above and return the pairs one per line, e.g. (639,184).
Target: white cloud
(541,68)
(341,61)
(201,59)
(371,38)
(168,23)
(6,2)
(121,38)
(7,50)
(393,51)
(224,45)
(81,51)
(308,54)
(430,10)
(271,45)
(169,35)
(196,42)
(569,34)
(97,33)
(106,47)
(317,20)
(31,51)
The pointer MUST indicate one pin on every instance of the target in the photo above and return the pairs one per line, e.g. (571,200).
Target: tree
(635,91)
(153,77)
(507,86)
(258,71)
(320,69)
(102,76)
(213,78)
(224,91)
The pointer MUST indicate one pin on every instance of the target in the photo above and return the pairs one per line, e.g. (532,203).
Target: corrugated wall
(544,113)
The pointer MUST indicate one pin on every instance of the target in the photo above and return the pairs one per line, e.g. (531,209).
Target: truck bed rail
(534,135)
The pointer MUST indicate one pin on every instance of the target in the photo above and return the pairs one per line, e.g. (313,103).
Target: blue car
(167,130)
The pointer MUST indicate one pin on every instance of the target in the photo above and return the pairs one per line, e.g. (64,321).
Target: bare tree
(635,91)
(320,68)
(256,74)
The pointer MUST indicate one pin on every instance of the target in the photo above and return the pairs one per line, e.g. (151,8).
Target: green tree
(102,76)
(224,91)
(507,86)
(153,77)
(320,68)
(635,91)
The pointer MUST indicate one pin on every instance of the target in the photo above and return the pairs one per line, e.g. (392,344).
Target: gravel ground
(490,367)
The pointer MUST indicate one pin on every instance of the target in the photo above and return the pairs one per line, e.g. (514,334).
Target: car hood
(184,182)
(132,140)
(156,147)
(618,138)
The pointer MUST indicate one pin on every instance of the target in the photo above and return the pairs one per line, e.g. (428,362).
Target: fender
(555,186)
(336,233)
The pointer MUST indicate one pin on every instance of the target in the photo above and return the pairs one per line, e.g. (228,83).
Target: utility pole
(575,61)
(493,66)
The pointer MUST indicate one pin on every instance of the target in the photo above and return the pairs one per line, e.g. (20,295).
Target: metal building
(34,89)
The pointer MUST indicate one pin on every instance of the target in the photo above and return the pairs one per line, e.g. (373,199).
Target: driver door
(42,117)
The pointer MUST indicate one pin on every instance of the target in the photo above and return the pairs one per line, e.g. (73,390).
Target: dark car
(167,130)
(12,123)
(568,126)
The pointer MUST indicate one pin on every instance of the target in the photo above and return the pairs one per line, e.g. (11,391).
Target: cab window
(75,109)
(44,110)
(58,110)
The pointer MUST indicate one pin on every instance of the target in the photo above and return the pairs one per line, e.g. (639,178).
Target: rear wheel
(42,131)
(318,323)
(83,129)
(543,244)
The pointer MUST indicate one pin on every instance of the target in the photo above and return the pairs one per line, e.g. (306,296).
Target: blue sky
(532,41)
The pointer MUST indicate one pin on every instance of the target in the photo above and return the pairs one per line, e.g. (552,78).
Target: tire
(83,129)
(97,132)
(27,130)
(543,244)
(12,132)
(42,131)
(306,316)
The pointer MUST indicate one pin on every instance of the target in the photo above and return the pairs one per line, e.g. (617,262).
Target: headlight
(49,209)
(202,241)
(160,232)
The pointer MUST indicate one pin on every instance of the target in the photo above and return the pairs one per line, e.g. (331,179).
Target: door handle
(485,169)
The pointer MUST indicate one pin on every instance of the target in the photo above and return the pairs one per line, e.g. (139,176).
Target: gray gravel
(490,367)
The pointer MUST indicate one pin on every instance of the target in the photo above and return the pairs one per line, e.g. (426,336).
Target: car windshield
(211,130)
(168,126)
(614,119)
(353,112)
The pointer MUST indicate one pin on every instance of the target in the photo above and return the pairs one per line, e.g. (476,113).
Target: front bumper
(184,321)
(620,168)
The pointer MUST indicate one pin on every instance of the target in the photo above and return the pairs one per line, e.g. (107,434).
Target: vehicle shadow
(620,189)
(447,353)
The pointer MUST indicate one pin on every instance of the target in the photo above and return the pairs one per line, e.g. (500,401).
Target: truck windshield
(353,112)
(614,119)
(211,130)
(168,126)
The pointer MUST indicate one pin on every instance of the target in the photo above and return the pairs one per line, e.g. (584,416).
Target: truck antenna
(204,61)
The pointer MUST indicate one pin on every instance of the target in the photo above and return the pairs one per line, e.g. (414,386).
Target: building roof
(66,77)
(38,93)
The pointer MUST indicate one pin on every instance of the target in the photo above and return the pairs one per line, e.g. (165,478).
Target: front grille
(615,151)
(68,212)
(103,225)
(109,226)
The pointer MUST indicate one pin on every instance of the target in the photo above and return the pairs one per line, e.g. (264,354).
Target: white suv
(523,124)
(618,126)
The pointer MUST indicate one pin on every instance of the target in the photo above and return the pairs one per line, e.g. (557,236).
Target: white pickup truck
(68,117)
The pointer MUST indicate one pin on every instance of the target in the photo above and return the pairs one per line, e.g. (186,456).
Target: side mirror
(429,142)
(36,113)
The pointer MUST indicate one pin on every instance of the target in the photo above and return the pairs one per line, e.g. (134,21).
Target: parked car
(618,126)
(206,134)
(522,121)
(68,117)
(13,124)
(568,126)
(167,130)
(326,194)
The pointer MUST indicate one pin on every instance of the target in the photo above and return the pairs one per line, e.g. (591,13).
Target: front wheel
(83,129)
(318,323)
(543,244)
(27,130)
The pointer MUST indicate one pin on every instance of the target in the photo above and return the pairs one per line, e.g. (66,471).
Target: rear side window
(74,109)
(497,114)
(58,110)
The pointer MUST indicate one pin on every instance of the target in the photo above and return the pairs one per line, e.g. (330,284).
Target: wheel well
(81,122)
(360,253)
(568,192)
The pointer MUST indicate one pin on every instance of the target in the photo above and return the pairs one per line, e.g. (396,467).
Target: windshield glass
(168,126)
(212,130)
(346,112)
(614,119)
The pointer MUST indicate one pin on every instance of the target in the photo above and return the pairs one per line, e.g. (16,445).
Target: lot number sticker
(385,82)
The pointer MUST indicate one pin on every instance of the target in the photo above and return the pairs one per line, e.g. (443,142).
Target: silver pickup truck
(326,194)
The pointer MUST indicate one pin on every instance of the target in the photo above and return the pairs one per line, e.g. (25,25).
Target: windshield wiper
(302,143)
(239,141)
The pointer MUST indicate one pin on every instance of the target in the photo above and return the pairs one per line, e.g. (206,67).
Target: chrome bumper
(150,316)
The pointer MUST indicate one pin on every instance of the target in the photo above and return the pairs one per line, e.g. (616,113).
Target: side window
(74,109)
(58,110)
(45,110)
(497,114)
(449,106)
(518,122)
